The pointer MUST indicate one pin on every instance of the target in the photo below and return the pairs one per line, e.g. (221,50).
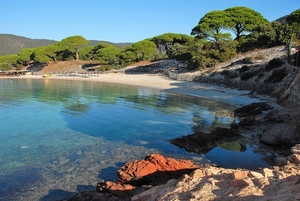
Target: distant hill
(119,45)
(12,44)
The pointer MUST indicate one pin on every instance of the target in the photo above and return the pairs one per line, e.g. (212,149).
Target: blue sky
(120,20)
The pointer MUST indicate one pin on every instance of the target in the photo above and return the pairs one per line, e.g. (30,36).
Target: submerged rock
(201,142)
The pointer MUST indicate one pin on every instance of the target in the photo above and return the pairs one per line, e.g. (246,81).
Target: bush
(5,66)
(184,56)
(105,68)
(274,63)
(232,75)
(244,69)
(249,60)
(277,75)
(19,66)
(229,74)
(249,74)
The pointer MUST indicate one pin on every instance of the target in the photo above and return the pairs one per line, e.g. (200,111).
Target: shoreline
(166,84)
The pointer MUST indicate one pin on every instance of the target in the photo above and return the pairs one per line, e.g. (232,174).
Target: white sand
(166,84)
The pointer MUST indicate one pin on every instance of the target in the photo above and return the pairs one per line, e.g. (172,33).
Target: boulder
(155,168)
(139,175)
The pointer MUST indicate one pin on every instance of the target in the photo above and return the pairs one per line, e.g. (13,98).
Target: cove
(64,136)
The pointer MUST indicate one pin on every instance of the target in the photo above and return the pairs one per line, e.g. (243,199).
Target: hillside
(13,44)
(119,45)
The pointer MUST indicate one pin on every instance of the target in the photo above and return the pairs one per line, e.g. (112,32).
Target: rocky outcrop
(215,183)
(287,130)
(154,169)
(139,175)
(280,182)
(292,93)
(281,127)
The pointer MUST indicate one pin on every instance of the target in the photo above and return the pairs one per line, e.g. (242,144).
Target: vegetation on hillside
(12,44)
(219,36)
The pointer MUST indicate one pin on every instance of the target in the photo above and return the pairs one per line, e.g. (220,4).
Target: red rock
(112,186)
(152,167)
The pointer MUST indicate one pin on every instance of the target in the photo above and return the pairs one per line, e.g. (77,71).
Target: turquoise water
(59,137)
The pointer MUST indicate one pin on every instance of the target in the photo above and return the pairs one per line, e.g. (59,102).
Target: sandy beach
(166,84)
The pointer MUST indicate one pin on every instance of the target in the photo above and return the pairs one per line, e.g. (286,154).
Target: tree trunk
(76,51)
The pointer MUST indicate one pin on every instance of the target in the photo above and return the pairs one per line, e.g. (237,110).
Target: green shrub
(244,69)
(19,66)
(105,68)
(274,63)
(195,63)
(229,74)
(277,75)
(249,60)
(5,67)
(232,75)
(249,74)
(184,56)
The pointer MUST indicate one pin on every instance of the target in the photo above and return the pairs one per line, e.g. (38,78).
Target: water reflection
(136,116)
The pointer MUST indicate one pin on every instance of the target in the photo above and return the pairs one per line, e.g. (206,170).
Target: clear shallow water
(59,137)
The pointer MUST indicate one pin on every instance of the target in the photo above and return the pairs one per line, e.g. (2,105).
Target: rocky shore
(160,179)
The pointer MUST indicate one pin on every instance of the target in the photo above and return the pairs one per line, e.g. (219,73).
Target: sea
(60,137)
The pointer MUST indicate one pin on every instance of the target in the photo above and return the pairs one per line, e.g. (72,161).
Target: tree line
(219,36)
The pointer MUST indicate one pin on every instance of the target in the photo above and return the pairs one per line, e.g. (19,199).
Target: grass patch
(260,57)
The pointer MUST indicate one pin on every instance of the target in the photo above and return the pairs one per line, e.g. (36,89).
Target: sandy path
(166,84)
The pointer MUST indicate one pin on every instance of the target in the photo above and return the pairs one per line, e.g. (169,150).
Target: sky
(120,20)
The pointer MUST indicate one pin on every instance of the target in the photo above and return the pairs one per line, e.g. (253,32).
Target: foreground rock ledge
(280,182)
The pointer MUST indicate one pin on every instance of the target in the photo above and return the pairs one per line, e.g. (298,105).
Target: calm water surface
(58,137)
